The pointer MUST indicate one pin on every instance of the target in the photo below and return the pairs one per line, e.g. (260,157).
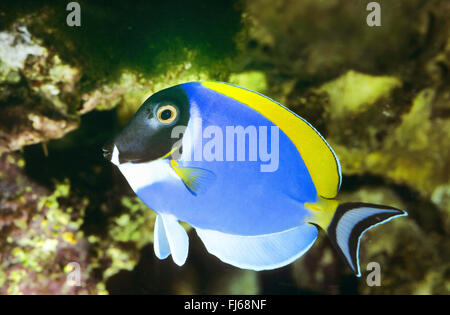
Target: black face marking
(148,135)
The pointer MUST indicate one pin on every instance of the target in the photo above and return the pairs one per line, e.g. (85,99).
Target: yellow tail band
(322,211)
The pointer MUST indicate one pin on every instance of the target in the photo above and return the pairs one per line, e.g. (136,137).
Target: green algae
(37,240)
(136,225)
(148,36)
(354,92)
(138,89)
(413,153)
(253,80)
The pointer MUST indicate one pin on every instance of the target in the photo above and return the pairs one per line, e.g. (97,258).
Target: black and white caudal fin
(349,223)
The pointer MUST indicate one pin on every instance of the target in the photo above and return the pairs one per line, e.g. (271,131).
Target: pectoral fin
(196,179)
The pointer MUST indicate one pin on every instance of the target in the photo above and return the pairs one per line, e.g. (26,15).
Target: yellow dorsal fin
(321,161)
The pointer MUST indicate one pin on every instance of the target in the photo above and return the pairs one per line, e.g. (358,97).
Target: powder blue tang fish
(254,179)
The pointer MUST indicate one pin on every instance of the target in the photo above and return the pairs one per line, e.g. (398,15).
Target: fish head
(148,136)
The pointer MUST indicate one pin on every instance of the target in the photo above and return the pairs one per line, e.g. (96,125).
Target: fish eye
(166,114)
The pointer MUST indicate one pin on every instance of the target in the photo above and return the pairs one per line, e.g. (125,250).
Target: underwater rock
(132,89)
(412,261)
(35,91)
(414,151)
(441,198)
(57,73)
(252,80)
(314,41)
(353,92)
(41,236)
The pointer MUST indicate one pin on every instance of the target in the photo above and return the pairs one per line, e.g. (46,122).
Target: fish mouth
(108,151)
(111,153)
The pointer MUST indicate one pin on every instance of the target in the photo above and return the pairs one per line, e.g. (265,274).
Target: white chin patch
(115,156)
(141,175)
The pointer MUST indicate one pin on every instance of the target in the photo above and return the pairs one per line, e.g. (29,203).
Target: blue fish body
(241,194)
(246,213)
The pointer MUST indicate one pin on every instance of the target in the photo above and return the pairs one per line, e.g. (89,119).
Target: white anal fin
(260,252)
(160,242)
(170,238)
